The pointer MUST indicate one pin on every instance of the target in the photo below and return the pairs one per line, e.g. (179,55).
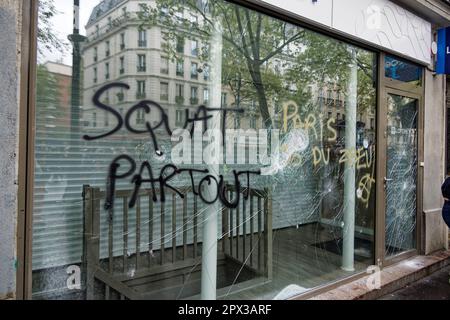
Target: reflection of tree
(325,60)
(46,32)
(251,40)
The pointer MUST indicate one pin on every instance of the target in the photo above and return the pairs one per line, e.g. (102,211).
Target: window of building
(179,118)
(107,70)
(194,95)
(141,67)
(206,72)
(205,96)
(180,44)
(95,54)
(140,117)
(164,65)
(223,99)
(180,67)
(194,70)
(194,47)
(179,93)
(164,41)
(122,65)
(164,91)
(142,38)
(121,95)
(107,48)
(140,89)
(330,97)
(122,41)
(106,118)
(94,119)
(95,75)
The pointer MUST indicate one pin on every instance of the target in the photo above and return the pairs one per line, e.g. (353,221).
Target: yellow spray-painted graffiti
(292,119)
(320,156)
(365,188)
(359,157)
(314,125)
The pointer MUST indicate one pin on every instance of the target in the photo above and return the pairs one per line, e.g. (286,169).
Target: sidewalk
(433,287)
(394,278)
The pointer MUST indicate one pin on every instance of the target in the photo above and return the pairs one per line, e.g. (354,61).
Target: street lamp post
(76,39)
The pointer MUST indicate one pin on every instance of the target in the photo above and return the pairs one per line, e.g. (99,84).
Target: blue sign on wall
(443,54)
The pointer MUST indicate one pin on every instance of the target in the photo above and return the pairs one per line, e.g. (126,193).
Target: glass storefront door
(401,173)
(399,170)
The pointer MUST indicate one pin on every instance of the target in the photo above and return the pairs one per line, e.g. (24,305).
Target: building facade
(222,150)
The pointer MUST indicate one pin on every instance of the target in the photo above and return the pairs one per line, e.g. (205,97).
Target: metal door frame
(391,86)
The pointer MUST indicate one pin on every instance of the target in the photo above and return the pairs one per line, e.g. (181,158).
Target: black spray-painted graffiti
(169,171)
(201,115)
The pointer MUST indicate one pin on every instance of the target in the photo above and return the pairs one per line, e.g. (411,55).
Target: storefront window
(403,71)
(264,191)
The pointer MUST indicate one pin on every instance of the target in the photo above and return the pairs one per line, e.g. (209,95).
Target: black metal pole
(76,40)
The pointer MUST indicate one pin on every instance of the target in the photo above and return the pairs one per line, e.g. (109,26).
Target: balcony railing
(122,46)
(107,53)
(179,99)
(140,95)
(107,76)
(194,101)
(122,71)
(142,43)
(126,17)
(141,68)
(164,97)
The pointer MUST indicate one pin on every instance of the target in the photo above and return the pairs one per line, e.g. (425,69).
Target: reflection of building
(60,80)
(331,99)
(118,50)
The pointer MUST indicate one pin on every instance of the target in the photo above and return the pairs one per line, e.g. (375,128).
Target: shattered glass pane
(401,174)
(199,149)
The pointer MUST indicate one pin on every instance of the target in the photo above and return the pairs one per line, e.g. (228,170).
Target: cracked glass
(401,174)
(250,176)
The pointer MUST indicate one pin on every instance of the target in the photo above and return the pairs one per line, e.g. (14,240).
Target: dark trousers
(446,213)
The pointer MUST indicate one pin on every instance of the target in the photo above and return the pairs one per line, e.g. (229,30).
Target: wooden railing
(244,230)
(244,237)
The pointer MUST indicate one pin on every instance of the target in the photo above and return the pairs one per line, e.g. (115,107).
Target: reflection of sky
(62,26)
